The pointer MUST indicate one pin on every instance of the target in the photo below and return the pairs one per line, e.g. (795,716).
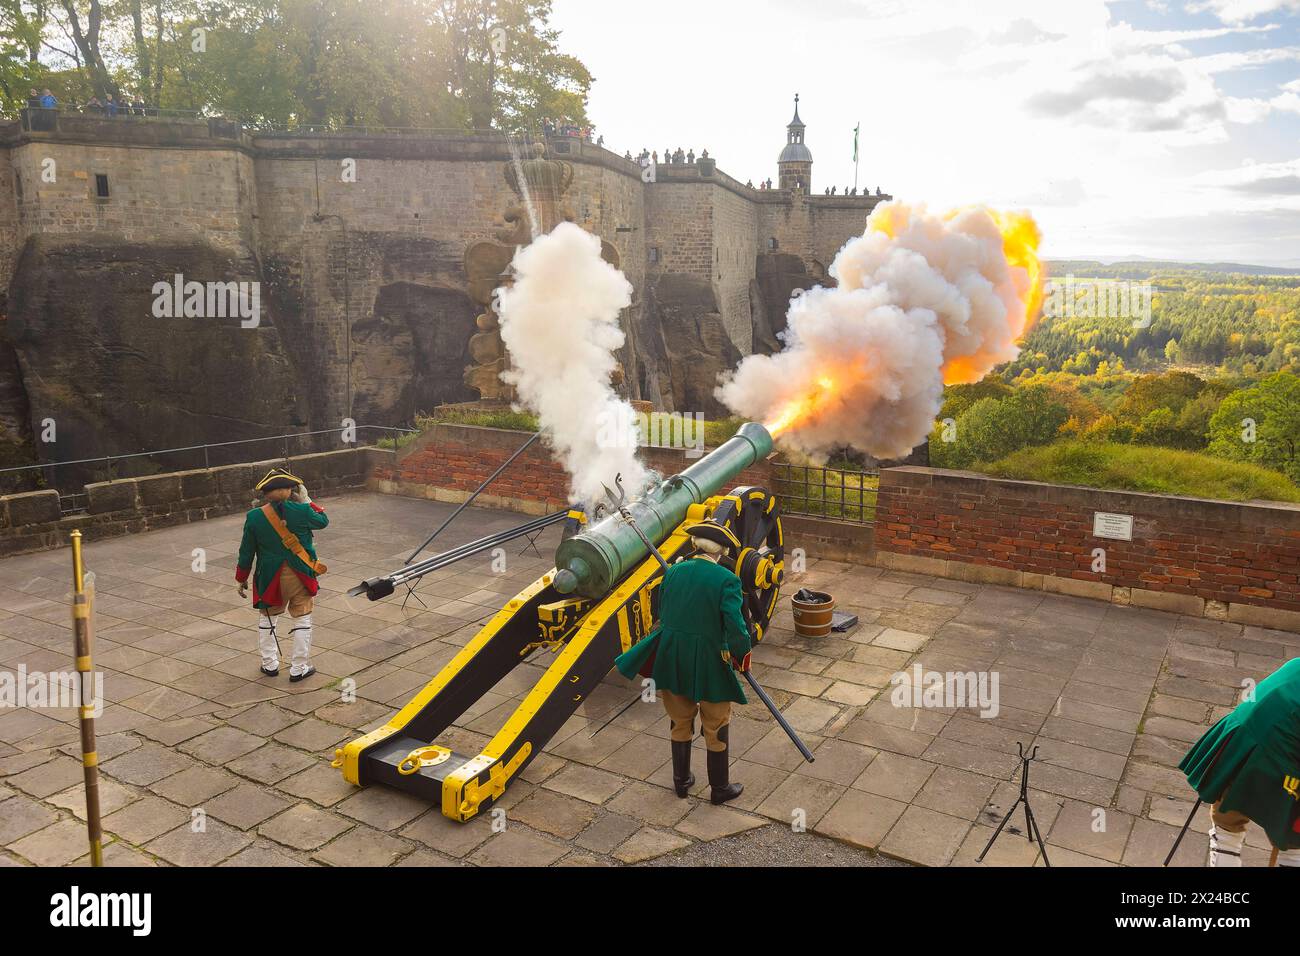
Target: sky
(1155,128)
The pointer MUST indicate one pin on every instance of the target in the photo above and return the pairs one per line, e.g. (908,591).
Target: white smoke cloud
(559,320)
(864,362)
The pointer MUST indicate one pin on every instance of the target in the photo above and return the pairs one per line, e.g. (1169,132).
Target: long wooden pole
(82,605)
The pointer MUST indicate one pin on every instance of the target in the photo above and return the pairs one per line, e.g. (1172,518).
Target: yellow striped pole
(82,606)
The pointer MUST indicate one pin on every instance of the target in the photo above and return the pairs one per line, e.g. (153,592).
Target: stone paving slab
(206,762)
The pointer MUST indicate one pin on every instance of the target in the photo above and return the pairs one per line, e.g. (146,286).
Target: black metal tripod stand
(1031,825)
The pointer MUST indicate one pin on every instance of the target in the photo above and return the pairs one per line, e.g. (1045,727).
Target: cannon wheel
(754,516)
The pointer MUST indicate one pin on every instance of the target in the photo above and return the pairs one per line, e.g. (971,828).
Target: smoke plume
(559,320)
(923,299)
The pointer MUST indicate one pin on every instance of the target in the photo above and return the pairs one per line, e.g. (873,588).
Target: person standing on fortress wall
(692,656)
(137,105)
(1247,767)
(278,534)
(43,118)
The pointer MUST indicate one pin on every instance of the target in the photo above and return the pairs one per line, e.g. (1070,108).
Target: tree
(1170,390)
(506,66)
(21,26)
(993,428)
(1261,424)
(958,398)
(458,64)
(86,36)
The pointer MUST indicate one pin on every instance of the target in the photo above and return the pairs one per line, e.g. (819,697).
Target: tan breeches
(293,594)
(1230,822)
(713,717)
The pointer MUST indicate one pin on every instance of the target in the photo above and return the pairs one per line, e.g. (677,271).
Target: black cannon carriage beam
(384,585)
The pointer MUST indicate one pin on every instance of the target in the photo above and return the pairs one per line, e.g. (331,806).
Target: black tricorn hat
(710,530)
(277,478)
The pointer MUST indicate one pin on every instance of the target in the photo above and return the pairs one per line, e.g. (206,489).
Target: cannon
(600,599)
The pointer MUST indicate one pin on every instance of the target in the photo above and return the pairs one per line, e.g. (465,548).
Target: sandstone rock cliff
(91,355)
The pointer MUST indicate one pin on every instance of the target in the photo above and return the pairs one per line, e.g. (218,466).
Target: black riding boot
(683,779)
(719,762)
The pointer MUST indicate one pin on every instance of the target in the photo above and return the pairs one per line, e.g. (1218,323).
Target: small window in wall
(101,185)
(771,244)
(654,253)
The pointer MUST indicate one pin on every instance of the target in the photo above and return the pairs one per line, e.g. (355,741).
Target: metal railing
(838,493)
(207,455)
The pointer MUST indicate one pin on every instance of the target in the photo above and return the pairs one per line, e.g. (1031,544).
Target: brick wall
(1238,561)
(448,462)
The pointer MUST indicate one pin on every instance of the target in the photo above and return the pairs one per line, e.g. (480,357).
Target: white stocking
(1225,847)
(266,642)
(300,631)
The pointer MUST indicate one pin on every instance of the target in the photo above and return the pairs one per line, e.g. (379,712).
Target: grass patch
(400,441)
(715,433)
(505,418)
(1144,468)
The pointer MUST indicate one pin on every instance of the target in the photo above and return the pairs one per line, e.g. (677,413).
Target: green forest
(439,64)
(1201,399)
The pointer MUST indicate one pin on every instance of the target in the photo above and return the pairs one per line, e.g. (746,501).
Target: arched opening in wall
(410,356)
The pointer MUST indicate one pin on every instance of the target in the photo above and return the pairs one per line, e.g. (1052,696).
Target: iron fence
(822,492)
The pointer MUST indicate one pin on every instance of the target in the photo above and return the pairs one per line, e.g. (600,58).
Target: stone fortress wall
(363,289)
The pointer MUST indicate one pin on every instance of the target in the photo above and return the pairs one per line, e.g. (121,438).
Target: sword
(1183,832)
(780,718)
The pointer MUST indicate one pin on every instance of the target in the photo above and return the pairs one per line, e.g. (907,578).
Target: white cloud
(1243,11)
(1271,180)
(946,96)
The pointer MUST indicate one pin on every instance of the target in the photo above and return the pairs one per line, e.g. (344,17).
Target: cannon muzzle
(590,563)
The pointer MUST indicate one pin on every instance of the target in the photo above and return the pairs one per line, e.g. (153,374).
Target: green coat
(1250,759)
(699,618)
(261,541)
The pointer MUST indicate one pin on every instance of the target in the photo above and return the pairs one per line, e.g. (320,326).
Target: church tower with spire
(794,167)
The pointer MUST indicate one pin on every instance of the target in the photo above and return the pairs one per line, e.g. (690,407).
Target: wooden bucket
(813,620)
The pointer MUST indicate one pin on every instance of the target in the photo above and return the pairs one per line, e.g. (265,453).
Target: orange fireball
(1024,286)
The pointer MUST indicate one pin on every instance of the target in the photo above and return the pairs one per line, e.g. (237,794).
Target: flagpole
(855,155)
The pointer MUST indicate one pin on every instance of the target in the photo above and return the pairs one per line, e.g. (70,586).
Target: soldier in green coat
(1248,767)
(278,534)
(692,656)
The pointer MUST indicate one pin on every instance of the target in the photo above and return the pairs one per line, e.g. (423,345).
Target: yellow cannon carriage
(601,598)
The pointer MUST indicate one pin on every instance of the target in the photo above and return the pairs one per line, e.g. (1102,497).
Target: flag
(855,141)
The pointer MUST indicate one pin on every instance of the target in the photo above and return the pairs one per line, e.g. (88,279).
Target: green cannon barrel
(590,563)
